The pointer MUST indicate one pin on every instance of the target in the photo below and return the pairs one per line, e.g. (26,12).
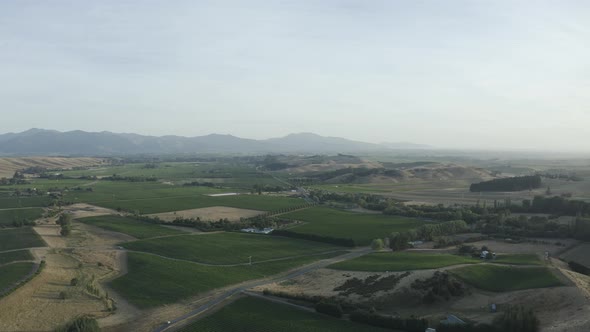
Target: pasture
(7,217)
(13,256)
(228,248)
(153,281)
(506,278)
(19,238)
(11,274)
(129,226)
(361,227)
(254,314)
(401,261)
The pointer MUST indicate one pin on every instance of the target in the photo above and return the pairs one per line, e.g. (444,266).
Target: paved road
(231,292)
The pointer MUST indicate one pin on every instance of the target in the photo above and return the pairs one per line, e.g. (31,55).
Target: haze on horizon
(454,74)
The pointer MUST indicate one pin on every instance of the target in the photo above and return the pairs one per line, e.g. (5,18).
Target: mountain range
(81,143)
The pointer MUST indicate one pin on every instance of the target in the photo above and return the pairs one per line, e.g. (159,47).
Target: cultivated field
(10,165)
(580,254)
(505,278)
(253,314)
(129,226)
(361,227)
(213,213)
(17,238)
(11,274)
(402,261)
(8,217)
(154,281)
(13,256)
(229,248)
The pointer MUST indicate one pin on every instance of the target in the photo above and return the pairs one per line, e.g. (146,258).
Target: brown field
(88,252)
(9,165)
(209,213)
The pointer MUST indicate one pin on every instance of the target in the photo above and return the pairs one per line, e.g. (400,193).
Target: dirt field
(9,165)
(527,247)
(210,213)
(82,210)
(89,255)
(559,308)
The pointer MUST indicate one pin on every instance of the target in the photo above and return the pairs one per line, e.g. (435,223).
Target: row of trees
(517,183)
(427,232)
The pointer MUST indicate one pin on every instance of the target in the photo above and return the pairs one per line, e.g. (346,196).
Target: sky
(452,74)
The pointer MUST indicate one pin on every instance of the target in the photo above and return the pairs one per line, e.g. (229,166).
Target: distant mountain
(404,145)
(80,143)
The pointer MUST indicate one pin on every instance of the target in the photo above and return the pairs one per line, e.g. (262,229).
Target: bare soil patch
(38,306)
(542,246)
(82,210)
(209,213)
(9,165)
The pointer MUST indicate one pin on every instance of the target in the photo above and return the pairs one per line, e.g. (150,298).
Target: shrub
(80,324)
(517,319)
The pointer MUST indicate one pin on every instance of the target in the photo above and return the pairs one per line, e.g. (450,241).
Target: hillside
(81,143)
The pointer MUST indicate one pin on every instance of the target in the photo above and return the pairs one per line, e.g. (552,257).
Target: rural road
(231,292)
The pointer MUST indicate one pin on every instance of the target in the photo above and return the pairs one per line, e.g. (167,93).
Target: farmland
(503,279)
(518,259)
(154,281)
(361,227)
(578,254)
(129,226)
(13,256)
(228,248)
(7,217)
(17,238)
(402,261)
(253,314)
(12,273)
(167,204)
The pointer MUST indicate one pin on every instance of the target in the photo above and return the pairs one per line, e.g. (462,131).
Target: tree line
(516,183)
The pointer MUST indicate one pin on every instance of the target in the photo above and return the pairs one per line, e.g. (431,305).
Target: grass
(254,314)
(518,259)
(228,248)
(154,281)
(19,238)
(401,261)
(7,217)
(505,278)
(361,227)
(129,226)
(13,256)
(13,273)
(11,202)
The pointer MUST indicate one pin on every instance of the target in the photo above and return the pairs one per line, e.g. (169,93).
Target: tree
(377,244)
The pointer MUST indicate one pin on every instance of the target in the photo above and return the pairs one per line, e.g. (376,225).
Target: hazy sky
(476,73)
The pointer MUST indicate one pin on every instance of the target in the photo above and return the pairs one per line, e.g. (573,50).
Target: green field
(18,238)
(153,281)
(228,248)
(253,314)
(8,216)
(361,227)
(222,174)
(506,278)
(129,226)
(401,261)
(13,256)
(518,259)
(12,273)
(178,203)
(10,202)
